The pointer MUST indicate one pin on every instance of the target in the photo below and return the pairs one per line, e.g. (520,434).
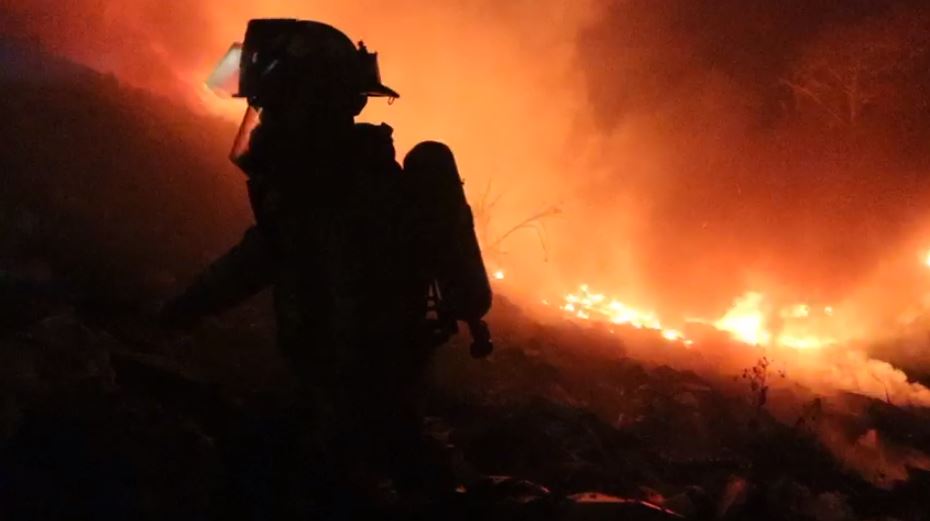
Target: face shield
(224,81)
(243,142)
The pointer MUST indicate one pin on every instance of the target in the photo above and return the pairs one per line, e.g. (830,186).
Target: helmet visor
(224,81)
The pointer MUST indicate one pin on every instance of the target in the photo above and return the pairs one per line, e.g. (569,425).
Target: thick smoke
(142,42)
(693,150)
(746,179)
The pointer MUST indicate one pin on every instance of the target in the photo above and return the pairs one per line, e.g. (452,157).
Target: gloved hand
(481,346)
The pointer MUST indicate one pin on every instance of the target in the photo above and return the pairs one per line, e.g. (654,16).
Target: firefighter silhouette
(371,264)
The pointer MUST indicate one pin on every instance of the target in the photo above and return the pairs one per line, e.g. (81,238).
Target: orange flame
(588,305)
(747,321)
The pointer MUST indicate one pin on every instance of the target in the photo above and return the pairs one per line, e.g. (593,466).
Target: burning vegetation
(741,185)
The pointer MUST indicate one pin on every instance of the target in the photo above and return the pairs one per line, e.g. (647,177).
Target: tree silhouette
(849,69)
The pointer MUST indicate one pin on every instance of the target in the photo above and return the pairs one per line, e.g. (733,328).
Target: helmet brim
(381,91)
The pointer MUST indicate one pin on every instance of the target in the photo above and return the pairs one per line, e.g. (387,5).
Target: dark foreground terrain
(111,199)
(105,416)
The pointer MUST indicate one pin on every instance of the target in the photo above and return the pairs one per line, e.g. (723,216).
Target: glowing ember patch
(799,326)
(588,305)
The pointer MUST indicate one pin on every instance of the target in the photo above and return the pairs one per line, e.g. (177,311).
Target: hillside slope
(107,186)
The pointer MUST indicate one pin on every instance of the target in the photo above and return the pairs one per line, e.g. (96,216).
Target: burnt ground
(112,198)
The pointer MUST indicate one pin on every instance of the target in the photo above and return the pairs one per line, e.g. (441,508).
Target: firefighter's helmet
(296,67)
(287,59)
